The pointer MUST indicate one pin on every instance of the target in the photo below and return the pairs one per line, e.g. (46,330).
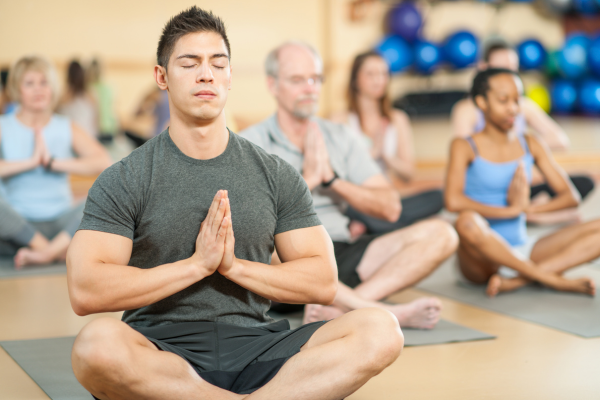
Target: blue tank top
(37,195)
(519,127)
(487,182)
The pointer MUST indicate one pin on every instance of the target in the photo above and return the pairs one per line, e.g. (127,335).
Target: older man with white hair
(340,172)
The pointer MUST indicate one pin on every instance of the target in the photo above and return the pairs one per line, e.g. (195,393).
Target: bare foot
(581,285)
(26,256)
(422,313)
(316,312)
(356,229)
(498,284)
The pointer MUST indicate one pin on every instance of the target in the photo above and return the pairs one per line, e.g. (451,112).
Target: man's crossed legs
(113,361)
(391,263)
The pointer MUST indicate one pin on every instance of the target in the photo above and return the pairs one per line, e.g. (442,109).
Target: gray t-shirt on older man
(158,197)
(348,156)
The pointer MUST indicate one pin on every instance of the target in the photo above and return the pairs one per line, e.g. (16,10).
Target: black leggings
(583,183)
(414,208)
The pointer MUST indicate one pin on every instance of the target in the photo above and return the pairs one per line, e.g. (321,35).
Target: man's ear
(481,103)
(160,75)
(482,65)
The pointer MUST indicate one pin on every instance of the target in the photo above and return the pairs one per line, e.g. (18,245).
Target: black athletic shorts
(235,358)
(348,256)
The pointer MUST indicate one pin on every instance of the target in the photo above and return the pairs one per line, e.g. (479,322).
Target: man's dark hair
(191,20)
(498,44)
(481,82)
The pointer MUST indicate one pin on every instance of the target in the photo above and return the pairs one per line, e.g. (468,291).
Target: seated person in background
(77,103)
(487,182)
(108,124)
(388,134)
(468,119)
(180,234)
(339,171)
(7,105)
(36,156)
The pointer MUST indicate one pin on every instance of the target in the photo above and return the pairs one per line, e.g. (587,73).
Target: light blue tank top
(37,195)
(487,182)
(519,127)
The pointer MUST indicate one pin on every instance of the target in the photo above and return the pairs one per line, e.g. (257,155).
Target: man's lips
(205,94)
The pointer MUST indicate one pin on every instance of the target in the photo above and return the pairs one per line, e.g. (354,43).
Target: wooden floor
(526,361)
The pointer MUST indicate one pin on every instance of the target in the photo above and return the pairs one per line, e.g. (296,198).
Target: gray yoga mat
(7,269)
(48,361)
(444,332)
(567,312)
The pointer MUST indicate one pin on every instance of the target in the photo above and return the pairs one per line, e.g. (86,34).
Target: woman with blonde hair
(388,135)
(38,149)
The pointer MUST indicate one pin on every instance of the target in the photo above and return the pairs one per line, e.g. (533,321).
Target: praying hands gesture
(316,168)
(215,242)
(518,191)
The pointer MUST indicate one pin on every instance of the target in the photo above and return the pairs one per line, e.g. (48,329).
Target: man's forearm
(376,202)
(311,280)
(100,287)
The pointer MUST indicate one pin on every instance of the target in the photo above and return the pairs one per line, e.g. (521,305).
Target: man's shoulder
(339,134)
(257,133)
(252,149)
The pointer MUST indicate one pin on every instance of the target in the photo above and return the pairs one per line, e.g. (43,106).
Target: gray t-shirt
(348,156)
(158,197)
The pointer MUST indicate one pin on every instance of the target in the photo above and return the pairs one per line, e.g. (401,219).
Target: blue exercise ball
(427,56)
(532,54)
(588,7)
(461,48)
(572,58)
(405,20)
(397,53)
(563,95)
(593,56)
(589,96)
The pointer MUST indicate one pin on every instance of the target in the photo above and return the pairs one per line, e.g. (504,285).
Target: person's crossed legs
(482,251)
(113,361)
(393,262)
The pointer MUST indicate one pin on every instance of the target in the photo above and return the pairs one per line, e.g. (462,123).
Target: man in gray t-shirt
(179,235)
(340,172)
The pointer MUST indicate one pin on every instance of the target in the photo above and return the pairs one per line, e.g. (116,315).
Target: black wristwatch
(327,184)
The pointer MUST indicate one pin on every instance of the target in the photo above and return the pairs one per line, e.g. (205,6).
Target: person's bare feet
(316,312)
(26,256)
(498,284)
(580,285)
(421,313)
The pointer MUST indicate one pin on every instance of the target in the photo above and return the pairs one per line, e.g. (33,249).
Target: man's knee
(381,340)
(470,226)
(99,349)
(445,233)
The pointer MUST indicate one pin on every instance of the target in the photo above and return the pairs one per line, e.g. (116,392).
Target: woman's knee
(470,226)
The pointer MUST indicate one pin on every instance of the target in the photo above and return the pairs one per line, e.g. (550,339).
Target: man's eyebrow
(196,56)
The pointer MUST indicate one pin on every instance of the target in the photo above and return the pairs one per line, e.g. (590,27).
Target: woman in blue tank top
(38,150)
(487,183)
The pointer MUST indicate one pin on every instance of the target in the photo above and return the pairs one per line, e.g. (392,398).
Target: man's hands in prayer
(317,168)
(210,244)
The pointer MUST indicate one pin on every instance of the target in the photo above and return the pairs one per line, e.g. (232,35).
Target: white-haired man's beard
(306,106)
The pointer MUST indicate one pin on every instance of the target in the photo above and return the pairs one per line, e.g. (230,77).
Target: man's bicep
(90,246)
(303,243)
